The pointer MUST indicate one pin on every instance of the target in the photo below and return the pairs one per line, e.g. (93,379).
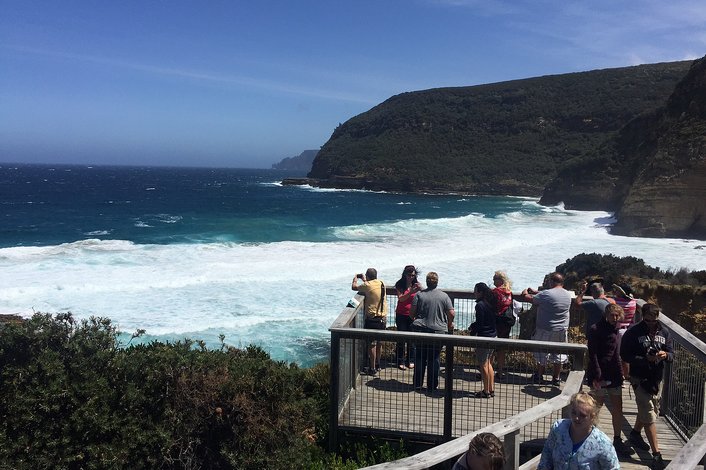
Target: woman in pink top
(624,297)
(407,287)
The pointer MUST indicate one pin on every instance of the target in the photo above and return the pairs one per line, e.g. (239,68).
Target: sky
(234,83)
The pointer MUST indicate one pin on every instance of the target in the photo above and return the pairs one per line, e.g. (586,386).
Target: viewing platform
(387,405)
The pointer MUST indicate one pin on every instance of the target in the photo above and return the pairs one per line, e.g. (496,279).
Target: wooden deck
(388,404)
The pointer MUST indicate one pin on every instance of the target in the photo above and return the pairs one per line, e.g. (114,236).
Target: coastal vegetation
(73,398)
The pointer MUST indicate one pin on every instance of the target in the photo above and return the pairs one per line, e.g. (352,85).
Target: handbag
(508,316)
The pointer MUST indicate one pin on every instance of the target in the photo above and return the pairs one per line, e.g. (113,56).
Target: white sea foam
(284,295)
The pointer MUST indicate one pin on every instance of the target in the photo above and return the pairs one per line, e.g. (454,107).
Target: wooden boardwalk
(388,404)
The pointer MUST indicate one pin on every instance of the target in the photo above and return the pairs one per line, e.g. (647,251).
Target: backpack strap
(382,298)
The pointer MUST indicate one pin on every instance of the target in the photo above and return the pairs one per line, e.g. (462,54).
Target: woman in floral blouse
(577,443)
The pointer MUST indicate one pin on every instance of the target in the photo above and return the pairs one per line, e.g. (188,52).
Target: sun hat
(624,290)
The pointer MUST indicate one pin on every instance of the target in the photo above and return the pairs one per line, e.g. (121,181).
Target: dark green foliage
(508,137)
(614,269)
(71,398)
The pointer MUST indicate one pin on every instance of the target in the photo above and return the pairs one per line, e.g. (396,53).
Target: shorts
(647,403)
(483,354)
(503,329)
(602,393)
(374,324)
(543,358)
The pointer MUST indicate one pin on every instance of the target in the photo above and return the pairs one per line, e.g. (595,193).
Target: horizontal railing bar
(347,315)
(451,449)
(691,454)
(456,340)
(688,341)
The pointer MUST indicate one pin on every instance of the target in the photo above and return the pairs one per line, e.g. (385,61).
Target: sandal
(482,394)
(402,367)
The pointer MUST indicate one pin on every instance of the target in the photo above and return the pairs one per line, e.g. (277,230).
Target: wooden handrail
(691,454)
(458,446)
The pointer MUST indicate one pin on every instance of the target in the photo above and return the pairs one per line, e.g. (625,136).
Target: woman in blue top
(577,443)
(485,326)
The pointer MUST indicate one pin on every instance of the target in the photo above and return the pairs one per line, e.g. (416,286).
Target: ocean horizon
(200,252)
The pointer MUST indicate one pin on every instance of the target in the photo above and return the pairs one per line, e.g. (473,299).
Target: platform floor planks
(388,403)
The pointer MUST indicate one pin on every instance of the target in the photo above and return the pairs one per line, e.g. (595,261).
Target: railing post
(511,443)
(448,393)
(664,403)
(333,391)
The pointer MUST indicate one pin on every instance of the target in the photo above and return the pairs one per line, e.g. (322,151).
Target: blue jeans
(427,359)
(404,323)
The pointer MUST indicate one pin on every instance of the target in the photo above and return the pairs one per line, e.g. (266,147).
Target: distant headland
(630,140)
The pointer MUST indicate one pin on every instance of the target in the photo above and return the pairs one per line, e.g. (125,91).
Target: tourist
(624,297)
(503,325)
(433,312)
(604,372)
(594,308)
(552,324)
(484,326)
(646,347)
(407,287)
(375,309)
(577,442)
(485,452)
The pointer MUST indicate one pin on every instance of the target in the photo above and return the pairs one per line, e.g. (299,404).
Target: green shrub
(72,398)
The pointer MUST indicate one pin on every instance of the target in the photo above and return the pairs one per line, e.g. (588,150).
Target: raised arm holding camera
(375,309)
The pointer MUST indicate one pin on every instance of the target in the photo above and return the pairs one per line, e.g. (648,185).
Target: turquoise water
(202,252)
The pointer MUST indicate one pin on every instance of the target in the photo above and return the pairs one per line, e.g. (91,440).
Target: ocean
(200,252)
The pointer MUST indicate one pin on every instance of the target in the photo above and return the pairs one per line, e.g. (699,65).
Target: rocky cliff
(653,173)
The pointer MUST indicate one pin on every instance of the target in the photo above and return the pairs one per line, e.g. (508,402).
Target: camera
(652,351)
(359,276)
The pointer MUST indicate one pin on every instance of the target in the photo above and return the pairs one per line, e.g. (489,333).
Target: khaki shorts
(560,336)
(647,404)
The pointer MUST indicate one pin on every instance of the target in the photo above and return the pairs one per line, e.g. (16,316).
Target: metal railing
(683,399)
(684,394)
(388,404)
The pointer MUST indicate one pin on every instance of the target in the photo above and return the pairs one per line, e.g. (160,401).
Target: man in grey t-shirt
(552,323)
(595,308)
(433,312)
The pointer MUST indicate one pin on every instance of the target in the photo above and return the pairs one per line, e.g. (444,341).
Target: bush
(72,398)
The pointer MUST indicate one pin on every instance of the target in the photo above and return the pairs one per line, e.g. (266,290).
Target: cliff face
(668,195)
(502,138)
(653,173)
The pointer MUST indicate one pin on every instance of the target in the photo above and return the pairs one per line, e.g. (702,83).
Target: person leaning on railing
(375,308)
(407,287)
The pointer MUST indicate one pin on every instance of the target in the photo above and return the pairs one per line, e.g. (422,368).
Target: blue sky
(247,83)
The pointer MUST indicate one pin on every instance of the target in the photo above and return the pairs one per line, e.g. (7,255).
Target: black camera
(359,276)
(652,351)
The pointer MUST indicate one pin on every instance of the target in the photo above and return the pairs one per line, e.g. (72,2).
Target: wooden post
(448,393)
(333,392)
(511,443)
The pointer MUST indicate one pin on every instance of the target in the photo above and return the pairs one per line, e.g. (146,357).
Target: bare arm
(354,285)
(450,315)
